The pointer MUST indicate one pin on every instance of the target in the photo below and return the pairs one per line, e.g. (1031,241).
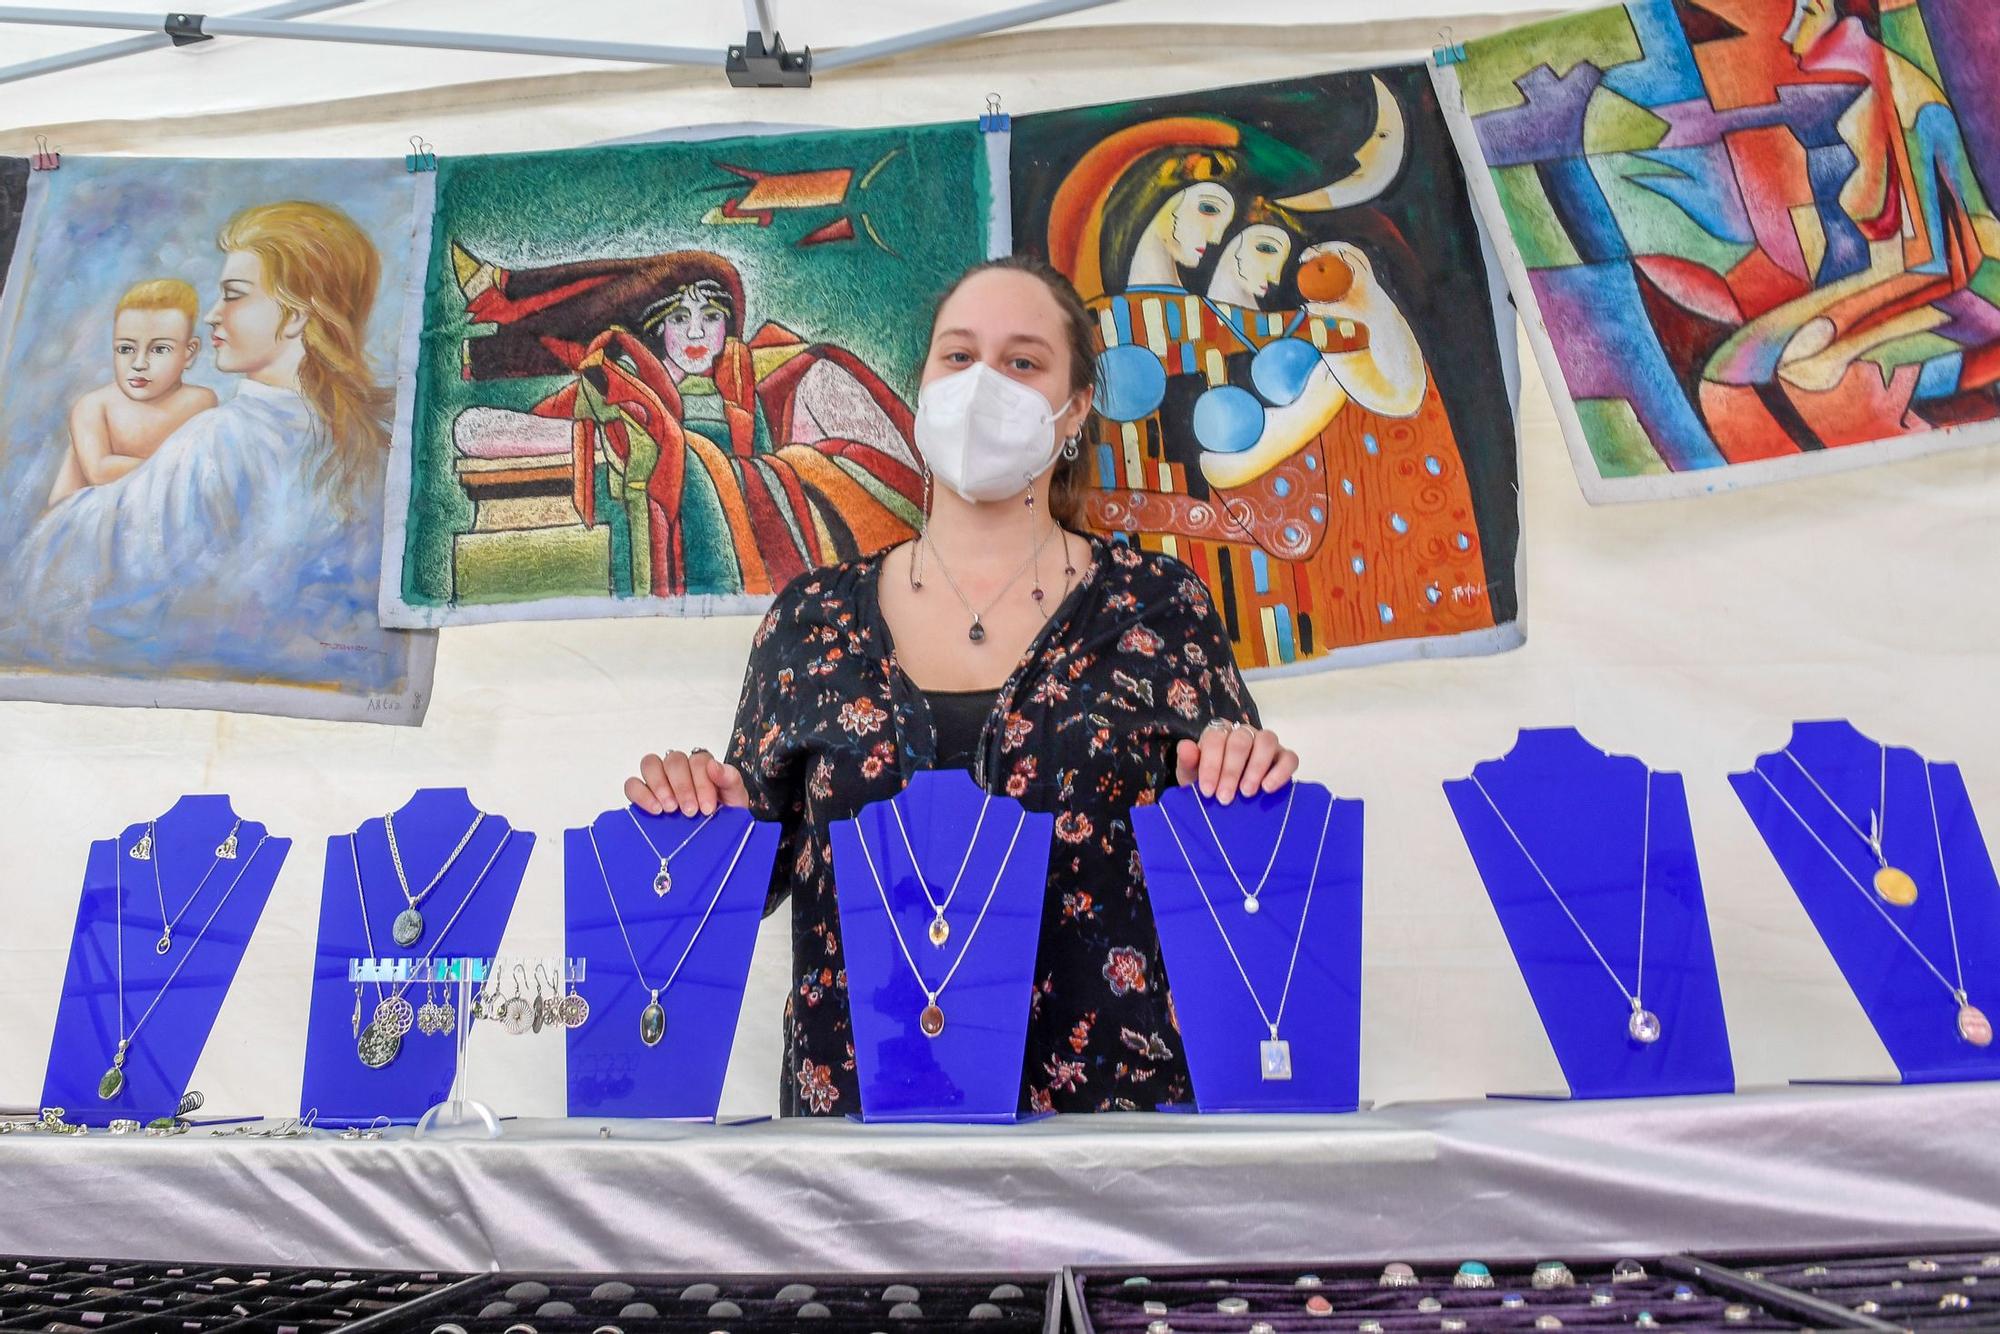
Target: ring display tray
(1947,1285)
(135,1296)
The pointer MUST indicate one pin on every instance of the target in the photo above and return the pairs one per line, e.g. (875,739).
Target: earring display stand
(1589,859)
(459,1110)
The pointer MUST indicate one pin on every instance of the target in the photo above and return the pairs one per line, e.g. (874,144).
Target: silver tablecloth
(1442,1180)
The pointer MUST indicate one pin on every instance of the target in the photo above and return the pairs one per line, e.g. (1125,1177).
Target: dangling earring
(1071,448)
(917,551)
(1035,553)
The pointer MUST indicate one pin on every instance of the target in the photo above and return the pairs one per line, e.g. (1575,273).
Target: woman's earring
(1071,446)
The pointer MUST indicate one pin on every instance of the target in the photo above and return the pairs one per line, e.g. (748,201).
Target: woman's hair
(319,265)
(1068,486)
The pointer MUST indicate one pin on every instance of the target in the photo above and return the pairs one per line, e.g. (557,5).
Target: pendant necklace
(940,930)
(653,1018)
(1973,1025)
(1274,1055)
(1250,896)
(408,928)
(664,881)
(977,632)
(1644,1026)
(1892,883)
(379,1042)
(931,1019)
(113,1081)
(224,852)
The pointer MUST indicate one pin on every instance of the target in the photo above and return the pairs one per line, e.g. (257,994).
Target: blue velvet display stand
(1221,1025)
(1581,814)
(1913,1012)
(611,1071)
(337,1085)
(971,1071)
(208,943)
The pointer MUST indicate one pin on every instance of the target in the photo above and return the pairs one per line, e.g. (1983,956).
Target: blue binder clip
(995,119)
(421,157)
(1451,53)
(45,158)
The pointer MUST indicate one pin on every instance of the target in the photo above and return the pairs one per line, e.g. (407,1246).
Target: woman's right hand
(687,781)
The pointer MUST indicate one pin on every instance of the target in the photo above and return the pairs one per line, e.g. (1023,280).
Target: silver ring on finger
(1214,723)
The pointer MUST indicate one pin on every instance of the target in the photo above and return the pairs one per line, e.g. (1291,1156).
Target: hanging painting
(1756,238)
(1302,387)
(662,379)
(13,198)
(200,361)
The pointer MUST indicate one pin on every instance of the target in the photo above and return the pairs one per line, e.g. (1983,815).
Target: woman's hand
(1233,759)
(687,781)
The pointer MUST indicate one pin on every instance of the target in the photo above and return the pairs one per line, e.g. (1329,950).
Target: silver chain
(1877,818)
(965,861)
(1951,921)
(896,931)
(1645,875)
(1249,894)
(979,615)
(167,924)
(368,934)
(1312,882)
(396,856)
(637,970)
(666,857)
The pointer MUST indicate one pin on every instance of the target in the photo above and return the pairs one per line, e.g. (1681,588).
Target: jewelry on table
(1892,883)
(1973,1025)
(653,1016)
(930,1020)
(382,1038)
(1250,896)
(113,1080)
(226,851)
(940,930)
(664,881)
(409,925)
(1643,1026)
(1274,1054)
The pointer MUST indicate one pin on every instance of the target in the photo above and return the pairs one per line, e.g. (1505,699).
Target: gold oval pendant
(940,931)
(1974,1026)
(931,1020)
(1895,886)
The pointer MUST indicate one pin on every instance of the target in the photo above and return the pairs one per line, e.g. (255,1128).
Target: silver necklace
(408,928)
(940,930)
(1250,895)
(664,881)
(977,632)
(1274,1055)
(1644,1025)
(379,1043)
(653,1018)
(1892,883)
(931,1019)
(224,851)
(114,1078)
(1973,1025)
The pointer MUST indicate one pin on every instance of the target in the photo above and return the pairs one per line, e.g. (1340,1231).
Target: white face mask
(985,436)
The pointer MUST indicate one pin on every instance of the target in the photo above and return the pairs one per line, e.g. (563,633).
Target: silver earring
(1070,446)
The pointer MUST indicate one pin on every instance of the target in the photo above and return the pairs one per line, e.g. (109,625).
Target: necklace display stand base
(1600,828)
(970,1070)
(1909,1004)
(1295,959)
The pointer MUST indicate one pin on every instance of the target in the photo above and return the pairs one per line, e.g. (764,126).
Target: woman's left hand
(1235,759)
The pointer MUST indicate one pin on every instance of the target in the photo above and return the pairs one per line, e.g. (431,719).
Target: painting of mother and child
(195,519)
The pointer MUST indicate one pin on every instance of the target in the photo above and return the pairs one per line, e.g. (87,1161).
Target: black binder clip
(421,157)
(1450,53)
(995,119)
(45,158)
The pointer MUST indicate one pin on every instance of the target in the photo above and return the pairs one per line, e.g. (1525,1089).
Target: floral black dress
(1134,660)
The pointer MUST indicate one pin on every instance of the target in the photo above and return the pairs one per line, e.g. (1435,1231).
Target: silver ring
(1214,723)
(699,750)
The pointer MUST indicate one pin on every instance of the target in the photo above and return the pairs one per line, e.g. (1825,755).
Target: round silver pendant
(1250,903)
(395,1016)
(652,1023)
(575,1010)
(112,1084)
(377,1047)
(164,943)
(1644,1026)
(408,928)
(514,1016)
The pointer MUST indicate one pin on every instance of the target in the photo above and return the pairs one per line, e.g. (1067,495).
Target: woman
(1077,675)
(248,542)
(721,464)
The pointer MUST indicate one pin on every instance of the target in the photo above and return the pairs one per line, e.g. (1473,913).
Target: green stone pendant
(110,1086)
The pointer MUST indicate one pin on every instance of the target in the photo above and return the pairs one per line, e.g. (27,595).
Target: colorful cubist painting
(199,361)
(1758,236)
(663,379)
(1302,388)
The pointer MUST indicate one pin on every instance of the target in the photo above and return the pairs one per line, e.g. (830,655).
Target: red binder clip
(45,159)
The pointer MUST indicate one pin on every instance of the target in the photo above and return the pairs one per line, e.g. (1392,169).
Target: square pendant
(1275,1057)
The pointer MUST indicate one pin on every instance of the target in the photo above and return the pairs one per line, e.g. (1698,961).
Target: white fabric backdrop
(1688,632)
